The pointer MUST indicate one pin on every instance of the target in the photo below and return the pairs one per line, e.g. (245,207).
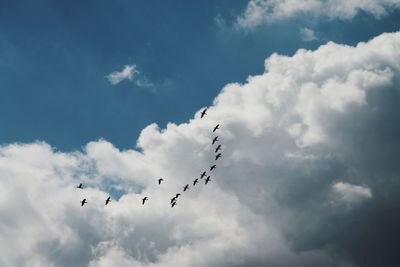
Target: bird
(216,128)
(203,113)
(195,181)
(83,202)
(202,175)
(186,187)
(215,139)
(218,156)
(173,204)
(208,179)
(177,195)
(173,200)
(144,200)
(80,186)
(213,167)
(160,180)
(108,200)
(218,148)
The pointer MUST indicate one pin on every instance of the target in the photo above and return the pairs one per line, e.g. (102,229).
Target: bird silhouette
(173,204)
(160,180)
(218,148)
(216,128)
(108,200)
(173,200)
(218,156)
(177,195)
(83,202)
(208,179)
(80,186)
(203,113)
(186,187)
(144,200)
(202,175)
(215,139)
(195,181)
(213,167)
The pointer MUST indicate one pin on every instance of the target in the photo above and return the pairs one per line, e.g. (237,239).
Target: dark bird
(108,200)
(80,186)
(173,204)
(177,195)
(215,139)
(218,156)
(218,148)
(208,179)
(160,180)
(83,202)
(202,175)
(186,187)
(144,200)
(173,200)
(195,181)
(203,113)
(216,128)
(213,167)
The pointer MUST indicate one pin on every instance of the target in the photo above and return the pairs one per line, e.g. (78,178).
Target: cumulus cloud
(260,11)
(286,135)
(127,73)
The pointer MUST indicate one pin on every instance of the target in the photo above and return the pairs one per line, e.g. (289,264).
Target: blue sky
(54,56)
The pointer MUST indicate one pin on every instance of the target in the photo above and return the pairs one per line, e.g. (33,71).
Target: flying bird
(173,204)
(108,200)
(218,156)
(177,195)
(173,200)
(208,179)
(83,202)
(144,200)
(203,113)
(213,167)
(80,186)
(218,148)
(195,181)
(202,175)
(160,180)
(215,139)
(216,128)
(186,187)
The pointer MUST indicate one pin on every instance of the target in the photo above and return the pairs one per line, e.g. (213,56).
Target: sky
(109,94)
(55,57)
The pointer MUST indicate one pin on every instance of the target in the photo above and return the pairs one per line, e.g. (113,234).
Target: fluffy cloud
(260,11)
(286,136)
(127,73)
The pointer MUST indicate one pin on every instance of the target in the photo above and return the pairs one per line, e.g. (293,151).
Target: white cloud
(131,73)
(128,73)
(286,135)
(352,193)
(307,34)
(260,11)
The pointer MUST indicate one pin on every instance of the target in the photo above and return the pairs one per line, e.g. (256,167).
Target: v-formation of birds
(185,187)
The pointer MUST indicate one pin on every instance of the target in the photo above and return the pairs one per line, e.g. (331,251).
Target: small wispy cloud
(308,35)
(128,73)
(350,193)
(143,82)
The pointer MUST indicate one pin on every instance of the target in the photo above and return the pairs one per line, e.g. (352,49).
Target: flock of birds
(186,187)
